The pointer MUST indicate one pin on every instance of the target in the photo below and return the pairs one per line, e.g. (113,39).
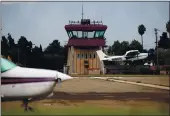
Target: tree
(141,31)
(36,50)
(168,27)
(4,46)
(120,48)
(135,45)
(24,49)
(12,51)
(151,55)
(54,48)
(41,48)
(161,56)
(35,58)
(124,46)
(11,42)
(167,57)
(164,41)
(116,48)
(23,43)
(109,50)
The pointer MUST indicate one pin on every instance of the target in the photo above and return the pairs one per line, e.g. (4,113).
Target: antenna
(94,15)
(82,10)
(101,20)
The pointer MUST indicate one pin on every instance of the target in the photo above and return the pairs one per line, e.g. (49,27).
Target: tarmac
(120,79)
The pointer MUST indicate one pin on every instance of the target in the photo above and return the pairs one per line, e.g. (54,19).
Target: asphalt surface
(84,88)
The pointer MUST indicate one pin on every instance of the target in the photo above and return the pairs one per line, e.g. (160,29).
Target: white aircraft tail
(101,54)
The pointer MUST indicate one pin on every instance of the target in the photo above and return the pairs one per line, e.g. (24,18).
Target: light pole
(156,35)
(1,24)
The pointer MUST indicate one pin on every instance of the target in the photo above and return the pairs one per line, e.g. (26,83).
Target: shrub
(146,70)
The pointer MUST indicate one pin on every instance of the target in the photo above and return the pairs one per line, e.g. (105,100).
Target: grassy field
(88,109)
(86,96)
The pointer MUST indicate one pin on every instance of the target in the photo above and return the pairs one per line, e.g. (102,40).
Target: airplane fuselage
(131,55)
(21,83)
(27,84)
(141,56)
(27,91)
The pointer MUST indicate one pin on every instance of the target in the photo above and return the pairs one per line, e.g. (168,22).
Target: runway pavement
(125,80)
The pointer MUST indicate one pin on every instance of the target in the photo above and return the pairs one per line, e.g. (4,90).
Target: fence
(128,69)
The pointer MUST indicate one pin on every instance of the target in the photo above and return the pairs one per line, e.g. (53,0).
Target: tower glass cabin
(85,38)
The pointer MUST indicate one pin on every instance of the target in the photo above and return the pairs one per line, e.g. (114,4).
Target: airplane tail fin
(101,54)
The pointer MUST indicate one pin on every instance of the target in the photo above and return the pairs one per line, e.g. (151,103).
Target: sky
(43,22)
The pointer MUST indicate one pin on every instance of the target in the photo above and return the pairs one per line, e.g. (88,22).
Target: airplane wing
(116,59)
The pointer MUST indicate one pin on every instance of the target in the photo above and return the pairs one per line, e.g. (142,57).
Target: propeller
(58,81)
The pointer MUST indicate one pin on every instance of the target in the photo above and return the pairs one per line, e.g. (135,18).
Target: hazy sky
(42,22)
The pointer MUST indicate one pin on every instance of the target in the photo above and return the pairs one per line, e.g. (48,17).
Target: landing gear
(25,105)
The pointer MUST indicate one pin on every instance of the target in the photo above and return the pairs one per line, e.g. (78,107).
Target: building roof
(79,27)
(86,42)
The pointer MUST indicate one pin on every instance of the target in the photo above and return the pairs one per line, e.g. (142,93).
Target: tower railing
(86,22)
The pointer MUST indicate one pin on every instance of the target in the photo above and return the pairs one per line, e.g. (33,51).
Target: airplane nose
(63,76)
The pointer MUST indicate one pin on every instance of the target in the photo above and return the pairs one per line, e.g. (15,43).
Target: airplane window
(6,65)
(132,54)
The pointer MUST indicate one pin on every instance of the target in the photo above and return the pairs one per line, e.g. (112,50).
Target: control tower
(85,38)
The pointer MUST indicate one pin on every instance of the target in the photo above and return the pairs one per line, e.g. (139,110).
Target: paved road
(95,89)
(85,84)
(140,83)
(149,80)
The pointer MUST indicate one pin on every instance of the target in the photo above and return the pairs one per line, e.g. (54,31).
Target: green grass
(121,75)
(86,110)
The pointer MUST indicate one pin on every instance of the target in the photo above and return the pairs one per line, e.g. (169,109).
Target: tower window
(78,56)
(86,56)
(82,55)
(89,55)
(94,55)
(99,34)
(70,34)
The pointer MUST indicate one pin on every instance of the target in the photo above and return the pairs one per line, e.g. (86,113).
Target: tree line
(163,47)
(25,53)
(54,56)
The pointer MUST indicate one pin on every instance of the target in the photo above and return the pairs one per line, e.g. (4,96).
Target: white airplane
(27,84)
(131,55)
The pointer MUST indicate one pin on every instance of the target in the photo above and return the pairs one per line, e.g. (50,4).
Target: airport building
(85,38)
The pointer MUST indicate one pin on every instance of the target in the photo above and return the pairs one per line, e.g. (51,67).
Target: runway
(94,93)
